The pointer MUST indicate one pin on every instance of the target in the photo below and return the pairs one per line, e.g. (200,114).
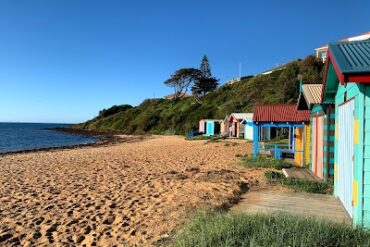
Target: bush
(264,162)
(274,230)
(299,185)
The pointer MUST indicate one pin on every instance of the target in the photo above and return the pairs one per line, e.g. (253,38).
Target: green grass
(276,230)
(299,185)
(198,138)
(264,162)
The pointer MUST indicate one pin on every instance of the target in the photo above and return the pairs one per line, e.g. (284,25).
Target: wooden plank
(320,206)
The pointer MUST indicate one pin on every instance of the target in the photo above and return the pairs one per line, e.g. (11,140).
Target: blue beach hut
(347,86)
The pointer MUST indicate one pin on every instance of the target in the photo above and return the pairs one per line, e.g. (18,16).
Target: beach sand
(128,193)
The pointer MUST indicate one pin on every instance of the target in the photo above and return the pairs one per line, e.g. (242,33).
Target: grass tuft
(299,185)
(264,162)
(274,230)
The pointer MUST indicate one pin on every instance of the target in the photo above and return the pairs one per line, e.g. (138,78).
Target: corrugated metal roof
(279,113)
(312,93)
(241,116)
(352,57)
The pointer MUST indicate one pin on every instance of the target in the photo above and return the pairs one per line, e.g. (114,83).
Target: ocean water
(27,136)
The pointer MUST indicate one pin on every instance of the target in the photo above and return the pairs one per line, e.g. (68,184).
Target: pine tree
(206,82)
(205,68)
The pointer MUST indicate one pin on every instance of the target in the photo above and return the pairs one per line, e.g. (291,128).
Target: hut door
(236,130)
(210,128)
(346,154)
(318,146)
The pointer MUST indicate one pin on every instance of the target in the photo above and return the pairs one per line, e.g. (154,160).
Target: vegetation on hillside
(275,230)
(163,116)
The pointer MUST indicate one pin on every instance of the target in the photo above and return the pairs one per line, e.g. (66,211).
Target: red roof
(279,113)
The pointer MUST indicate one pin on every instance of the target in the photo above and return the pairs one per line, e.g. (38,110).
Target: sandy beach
(133,193)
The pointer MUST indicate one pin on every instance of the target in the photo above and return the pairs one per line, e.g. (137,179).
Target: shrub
(274,230)
(265,162)
(299,185)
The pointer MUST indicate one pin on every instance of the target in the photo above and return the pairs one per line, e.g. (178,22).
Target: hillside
(162,116)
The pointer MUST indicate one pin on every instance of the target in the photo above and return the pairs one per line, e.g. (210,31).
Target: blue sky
(63,61)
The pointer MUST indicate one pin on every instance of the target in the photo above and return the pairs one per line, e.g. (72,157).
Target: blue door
(210,128)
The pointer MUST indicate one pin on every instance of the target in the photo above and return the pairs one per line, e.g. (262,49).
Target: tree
(205,68)
(181,80)
(205,82)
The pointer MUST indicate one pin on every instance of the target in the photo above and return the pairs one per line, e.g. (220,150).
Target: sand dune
(128,193)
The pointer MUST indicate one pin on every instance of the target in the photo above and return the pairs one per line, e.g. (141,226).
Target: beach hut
(320,153)
(248,126)
(282,116)
(210,127)
(202,126)
(347,86)
(225,126)
(236,127)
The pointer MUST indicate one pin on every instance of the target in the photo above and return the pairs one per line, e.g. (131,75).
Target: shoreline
(103,139)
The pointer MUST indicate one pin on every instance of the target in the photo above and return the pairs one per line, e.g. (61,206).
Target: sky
(63,61)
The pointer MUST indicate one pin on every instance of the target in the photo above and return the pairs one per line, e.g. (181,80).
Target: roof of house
(363,36)
(312,93)
(351,57)
(211,120)
(241,116)
(279,113)
(346,62)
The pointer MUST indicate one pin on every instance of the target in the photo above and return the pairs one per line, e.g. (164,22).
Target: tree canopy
(181,80)
(205,82)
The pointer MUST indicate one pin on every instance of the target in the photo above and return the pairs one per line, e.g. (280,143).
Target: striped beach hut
(347,86)
(320,150)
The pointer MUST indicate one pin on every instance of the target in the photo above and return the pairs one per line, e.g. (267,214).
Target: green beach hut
(322,126)
(347,86)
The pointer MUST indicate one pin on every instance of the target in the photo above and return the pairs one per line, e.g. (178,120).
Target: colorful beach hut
(320,154)
(236,124)
(248,126)
(225,126)
(210,127)
(347,86)
(282,116)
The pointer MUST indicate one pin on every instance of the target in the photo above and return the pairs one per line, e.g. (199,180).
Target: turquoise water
(28,136)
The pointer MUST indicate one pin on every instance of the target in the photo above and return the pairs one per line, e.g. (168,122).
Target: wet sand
(133,193)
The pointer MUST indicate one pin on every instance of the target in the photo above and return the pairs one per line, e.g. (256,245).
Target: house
(321,52)
(210,127)
(284,116)
(320,154)
(236,127)
(346,84)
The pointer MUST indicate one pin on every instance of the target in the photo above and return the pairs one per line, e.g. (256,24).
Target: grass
(264,162)
(275,230)
(198,138)
(299,185)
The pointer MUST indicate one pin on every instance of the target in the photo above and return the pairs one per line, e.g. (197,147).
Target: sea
(28,136)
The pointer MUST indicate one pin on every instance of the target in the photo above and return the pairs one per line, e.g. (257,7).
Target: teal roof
(352,57)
